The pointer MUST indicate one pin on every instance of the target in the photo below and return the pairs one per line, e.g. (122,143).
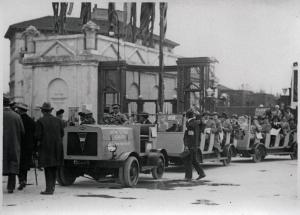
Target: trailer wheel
(228,153)
(294,156)
(224,162)
(131,172)
(65,176)
(157,172)
(258,154)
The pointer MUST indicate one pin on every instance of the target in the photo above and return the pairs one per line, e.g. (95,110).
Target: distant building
(242,101)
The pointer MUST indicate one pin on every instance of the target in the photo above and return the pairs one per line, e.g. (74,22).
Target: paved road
(243,187)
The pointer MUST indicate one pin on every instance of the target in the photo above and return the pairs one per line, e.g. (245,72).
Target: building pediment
(58,49)
(136,56)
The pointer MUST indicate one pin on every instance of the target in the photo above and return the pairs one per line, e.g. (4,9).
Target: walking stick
(35,167)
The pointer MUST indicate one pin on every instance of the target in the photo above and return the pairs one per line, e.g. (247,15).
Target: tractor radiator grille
(82,143)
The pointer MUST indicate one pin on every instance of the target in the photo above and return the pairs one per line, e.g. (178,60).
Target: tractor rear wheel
(157,172)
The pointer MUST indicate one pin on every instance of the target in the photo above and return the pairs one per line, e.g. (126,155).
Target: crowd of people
(24,138)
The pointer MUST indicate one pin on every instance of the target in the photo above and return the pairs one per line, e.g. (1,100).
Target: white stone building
(80,69)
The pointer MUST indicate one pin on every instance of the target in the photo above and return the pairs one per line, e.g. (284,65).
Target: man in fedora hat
(49,133)
(13,131)
(27,143)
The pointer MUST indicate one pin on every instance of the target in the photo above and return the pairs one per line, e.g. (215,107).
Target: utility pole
(161,60)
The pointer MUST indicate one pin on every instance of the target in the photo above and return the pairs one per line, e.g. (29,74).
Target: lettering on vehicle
(121,143)
(118,134)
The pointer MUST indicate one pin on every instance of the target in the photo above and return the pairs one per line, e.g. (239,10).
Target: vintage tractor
(116,150)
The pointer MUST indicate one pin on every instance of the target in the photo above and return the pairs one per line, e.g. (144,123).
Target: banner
(147,23)
(130,22)
(112,19)
(163,13)
(70,8)
(62,17)
(55,6)
(85,13)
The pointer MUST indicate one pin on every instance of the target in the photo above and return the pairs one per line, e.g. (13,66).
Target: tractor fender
(125,155)
(153,157)
(164,153)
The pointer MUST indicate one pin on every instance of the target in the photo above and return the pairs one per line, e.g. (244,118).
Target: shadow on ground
(180,168)
(249,160)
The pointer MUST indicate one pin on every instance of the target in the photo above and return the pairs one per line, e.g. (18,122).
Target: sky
(255,41)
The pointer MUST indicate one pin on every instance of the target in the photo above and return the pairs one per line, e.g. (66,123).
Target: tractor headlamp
(112,147)
(148,146)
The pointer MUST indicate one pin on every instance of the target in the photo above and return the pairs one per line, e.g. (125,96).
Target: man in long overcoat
(191,140)
(27,144)
(13,131)
(49,133)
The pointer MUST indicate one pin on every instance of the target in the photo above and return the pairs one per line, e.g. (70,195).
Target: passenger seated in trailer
(162,122)
(209,124)
(293,124)
(265,127)
(293,128)
(288,114)
(275,125)
(175,127)
(236,128)
(226,126)
(285,129)
(218,132)
(243,122)
(256,128)
(276,112)
(144,118)
(276,122)
(204,119)
(86,117)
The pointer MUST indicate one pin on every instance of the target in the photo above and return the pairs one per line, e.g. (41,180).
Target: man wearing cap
(235,126)
(86,117)
(117,117)
(13,131)
(49,133)
(191,141)
(226,126)
(144,118)
(27,144)
(60,115)
(276,112)
(218,131)
(288,114)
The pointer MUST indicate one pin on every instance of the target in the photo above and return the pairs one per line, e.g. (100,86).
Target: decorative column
(28,36)
(90,30)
